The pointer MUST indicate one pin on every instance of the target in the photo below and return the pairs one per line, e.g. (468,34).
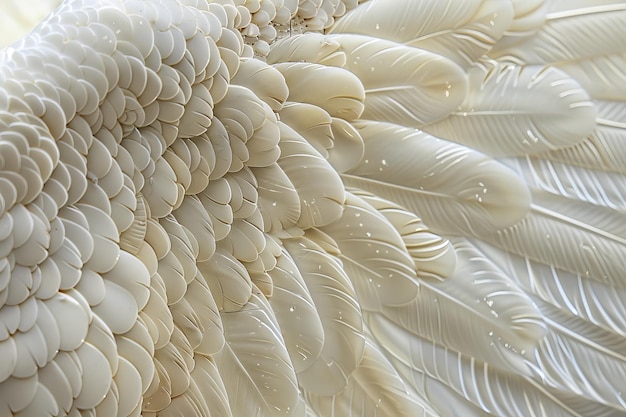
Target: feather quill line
(564,14)
(577,223)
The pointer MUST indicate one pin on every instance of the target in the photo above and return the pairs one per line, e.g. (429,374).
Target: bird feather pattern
(529,16)
(478,311)
(577,356)
(434,256)
(296,313)
(489,388)
(593,186)
(374,389)
(462,32)
(228,281)
(572,31)
(488,196)
(314,47)
(574,241)
(403,85)
(515,110)
(311,122)
(321,202)
(589,215)
(373,256)
(212,393)
(279,203)
(339,312)
(255,362)
(188,229)
(264,80)
(603,150)
(603,77)
(598,303)
(307,83)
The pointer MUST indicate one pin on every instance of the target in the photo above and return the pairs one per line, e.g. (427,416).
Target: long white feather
(593,186)
(478,311)
(571,32)
(403,85)
(255,362)
(416,170)
(495,391)
(573,240)
(578,357)
(373,256)
(338,309)
(461,31)
(515,110)
(598,303)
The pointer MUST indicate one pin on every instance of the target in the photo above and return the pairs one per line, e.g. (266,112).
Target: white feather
(572,31)
(463,32)
(373,256)
(374,389)
(339,312)
(415,170)
(256,362)
(514,110)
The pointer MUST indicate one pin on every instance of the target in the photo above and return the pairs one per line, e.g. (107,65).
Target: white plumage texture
(314,208)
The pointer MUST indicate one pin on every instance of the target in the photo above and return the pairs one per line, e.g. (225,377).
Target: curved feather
(279,203)
(514,110)
(433,255)
(578,357)
(603,77)
(264,80)
(572,31)
(462,32)
(403,85)
(494,391)
(478,311)
(255,362)
(311,122)
(339,312)
(590,185)
(373,256)
(307,83)
(528,18)
(572,239)
(599,303)
(374,389)
(603,150)
(228,281)
(321,201)
(415,170)
(209,393)
(296,314)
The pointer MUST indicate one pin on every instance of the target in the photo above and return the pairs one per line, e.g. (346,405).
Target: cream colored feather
(477,311)
(513,110)
(374,388)
(255,361)
(570,32)
(462,32)
(339,312)
(488,196)
(373,255)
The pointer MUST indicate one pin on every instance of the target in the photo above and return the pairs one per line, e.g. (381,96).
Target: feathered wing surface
(314,208)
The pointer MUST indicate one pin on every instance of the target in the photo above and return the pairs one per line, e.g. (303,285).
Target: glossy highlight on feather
(313,208)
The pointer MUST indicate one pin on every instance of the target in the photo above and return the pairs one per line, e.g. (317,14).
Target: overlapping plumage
(314,208)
